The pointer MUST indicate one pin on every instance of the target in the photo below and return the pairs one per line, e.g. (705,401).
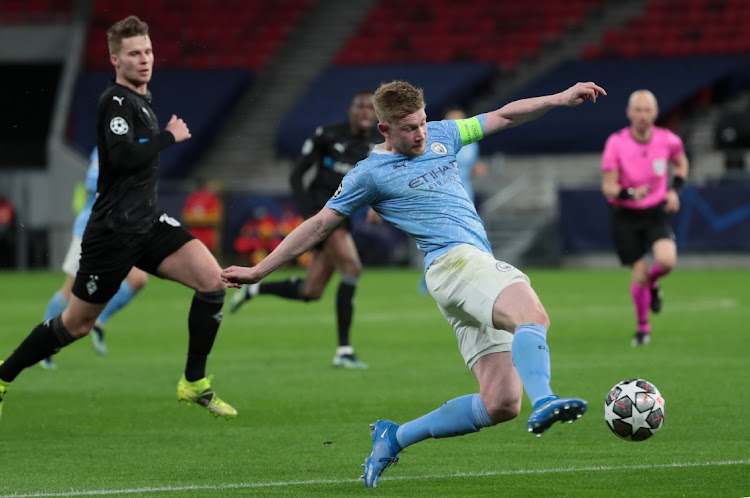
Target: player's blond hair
(395,100)
(127,28)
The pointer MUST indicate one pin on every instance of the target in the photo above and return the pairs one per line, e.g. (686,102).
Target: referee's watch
(626,193)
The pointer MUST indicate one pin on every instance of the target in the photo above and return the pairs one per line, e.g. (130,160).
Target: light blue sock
(457,417)
(56,305)
(531,358)
(123,296)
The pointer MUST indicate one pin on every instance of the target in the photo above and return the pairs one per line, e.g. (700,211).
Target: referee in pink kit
(635,166)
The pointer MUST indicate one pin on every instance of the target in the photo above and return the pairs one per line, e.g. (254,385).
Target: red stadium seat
(198,33)
(681,28)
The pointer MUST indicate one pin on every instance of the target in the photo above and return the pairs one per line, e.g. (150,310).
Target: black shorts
(107,256)
(636,230)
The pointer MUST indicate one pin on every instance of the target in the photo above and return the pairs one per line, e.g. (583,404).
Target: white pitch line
(597,468)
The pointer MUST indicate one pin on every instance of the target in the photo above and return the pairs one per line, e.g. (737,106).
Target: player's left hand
(672,201)
(235,276)
(581,92)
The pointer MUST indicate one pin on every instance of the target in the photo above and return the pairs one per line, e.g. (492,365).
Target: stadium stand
(26,12)
(442,31)
(678,28)
(200,34)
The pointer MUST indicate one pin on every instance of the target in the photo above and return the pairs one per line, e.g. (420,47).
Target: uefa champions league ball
(634,409)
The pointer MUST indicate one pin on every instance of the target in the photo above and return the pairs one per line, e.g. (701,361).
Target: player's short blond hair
(395,100)
(127,28)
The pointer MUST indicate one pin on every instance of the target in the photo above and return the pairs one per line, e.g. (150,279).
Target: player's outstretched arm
(302,238)
(524,110)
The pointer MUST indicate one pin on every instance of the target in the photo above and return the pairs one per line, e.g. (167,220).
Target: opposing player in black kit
(126,229)
(333,151)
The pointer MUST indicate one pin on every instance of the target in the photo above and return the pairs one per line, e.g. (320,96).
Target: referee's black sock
(46,339)
(290,288)
(203,325)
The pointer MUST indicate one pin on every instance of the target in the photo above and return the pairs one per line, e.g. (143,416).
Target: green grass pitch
(111,426)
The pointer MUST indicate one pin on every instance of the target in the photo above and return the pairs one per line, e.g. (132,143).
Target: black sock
(290,288)
(203,325)
(345,308)
(46,339)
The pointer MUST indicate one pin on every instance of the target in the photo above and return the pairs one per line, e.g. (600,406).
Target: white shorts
(465,282)
(73,257)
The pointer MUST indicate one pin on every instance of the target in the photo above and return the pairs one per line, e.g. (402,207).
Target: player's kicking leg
(194,265)
(519,304)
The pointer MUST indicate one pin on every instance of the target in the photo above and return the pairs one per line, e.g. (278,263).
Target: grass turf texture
(100,424)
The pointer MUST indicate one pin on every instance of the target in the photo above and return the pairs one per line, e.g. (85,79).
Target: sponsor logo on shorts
(503,266)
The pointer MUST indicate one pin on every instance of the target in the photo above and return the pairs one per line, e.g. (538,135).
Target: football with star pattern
(634,409)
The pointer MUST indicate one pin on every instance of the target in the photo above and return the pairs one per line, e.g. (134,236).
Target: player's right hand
(235,276)
(581,92)
(178,128)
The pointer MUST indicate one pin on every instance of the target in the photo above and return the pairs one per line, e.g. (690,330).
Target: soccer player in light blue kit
(133,283)
(412,181)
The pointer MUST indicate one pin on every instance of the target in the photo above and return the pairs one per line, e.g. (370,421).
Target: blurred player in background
(133,283)
(333,151)
(126,228)
(635,166)
(413,182)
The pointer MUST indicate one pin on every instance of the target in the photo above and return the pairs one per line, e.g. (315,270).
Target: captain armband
(470,130)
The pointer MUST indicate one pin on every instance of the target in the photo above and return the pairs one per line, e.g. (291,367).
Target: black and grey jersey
(333,151)
(129,141)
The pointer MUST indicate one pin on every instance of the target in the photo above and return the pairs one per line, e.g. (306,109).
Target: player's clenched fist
(178,128)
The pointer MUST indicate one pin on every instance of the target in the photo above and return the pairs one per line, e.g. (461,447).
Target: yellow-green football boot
(200,392)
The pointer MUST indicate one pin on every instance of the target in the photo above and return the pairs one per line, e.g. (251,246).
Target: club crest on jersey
(660,166)
(119,126)
(503,266)
(438,148)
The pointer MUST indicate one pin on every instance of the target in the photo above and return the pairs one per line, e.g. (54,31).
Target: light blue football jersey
(422,196)
(92,176)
